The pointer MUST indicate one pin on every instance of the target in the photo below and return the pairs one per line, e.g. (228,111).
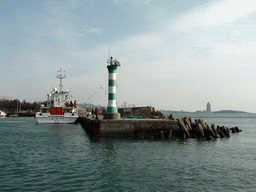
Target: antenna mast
(61,76)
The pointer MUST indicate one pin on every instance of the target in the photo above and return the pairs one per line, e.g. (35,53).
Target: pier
(124,127)
(144,122)
(155,125)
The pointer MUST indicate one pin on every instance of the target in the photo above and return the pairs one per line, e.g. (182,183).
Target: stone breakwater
(188,128)
(183,128)
(155,128)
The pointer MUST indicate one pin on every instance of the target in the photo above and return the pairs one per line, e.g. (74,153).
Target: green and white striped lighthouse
(112,112)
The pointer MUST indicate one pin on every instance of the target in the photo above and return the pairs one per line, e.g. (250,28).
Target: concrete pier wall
(154,128)
(147,128)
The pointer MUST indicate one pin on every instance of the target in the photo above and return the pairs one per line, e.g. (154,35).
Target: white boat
(2,114)
(60,107)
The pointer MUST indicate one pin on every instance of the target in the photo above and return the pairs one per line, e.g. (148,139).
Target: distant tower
(112,109)
(208,107)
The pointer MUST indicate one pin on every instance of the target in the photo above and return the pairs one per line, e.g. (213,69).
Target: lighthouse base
(111,116)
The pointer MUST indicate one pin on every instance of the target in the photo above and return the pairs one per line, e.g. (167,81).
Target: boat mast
(61,76)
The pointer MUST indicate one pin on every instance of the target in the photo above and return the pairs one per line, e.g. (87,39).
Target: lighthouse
(112,112)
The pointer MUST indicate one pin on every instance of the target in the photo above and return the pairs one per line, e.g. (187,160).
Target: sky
(174,55)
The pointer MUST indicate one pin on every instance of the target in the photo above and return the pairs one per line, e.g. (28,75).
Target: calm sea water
(35,157)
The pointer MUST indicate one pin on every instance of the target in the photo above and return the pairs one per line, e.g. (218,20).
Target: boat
(59,107)
(2,114)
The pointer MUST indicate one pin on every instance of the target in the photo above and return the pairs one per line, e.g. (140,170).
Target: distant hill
(229,111)
(221,111)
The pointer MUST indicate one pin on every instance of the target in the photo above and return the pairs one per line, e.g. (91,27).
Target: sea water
(44,157)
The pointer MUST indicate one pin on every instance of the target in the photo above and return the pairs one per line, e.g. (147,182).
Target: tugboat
(60,107)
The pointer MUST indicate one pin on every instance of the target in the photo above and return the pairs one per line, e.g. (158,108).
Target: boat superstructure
(2,114)
(60,107)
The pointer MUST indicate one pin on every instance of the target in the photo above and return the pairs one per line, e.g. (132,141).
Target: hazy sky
(174,55)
